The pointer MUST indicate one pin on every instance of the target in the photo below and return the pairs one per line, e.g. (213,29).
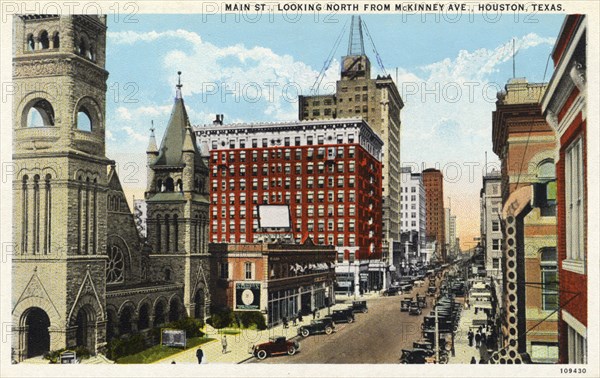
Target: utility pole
(437,337)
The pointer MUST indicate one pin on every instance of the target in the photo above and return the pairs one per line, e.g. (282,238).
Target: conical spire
(152,149)
(188,142)
(173,140)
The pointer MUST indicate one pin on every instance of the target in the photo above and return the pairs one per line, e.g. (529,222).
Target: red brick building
(525,145)
(279,280)
(433,180)
(327,171)
(564,106)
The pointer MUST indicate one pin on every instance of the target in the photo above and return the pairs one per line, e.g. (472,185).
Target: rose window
(115,265)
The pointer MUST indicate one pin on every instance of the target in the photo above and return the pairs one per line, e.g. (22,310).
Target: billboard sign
(247,296)
(274,216)
(173,338)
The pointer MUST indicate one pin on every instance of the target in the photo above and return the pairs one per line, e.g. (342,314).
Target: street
(375,337)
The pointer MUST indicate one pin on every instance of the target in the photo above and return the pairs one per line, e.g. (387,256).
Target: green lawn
(159,352)
(229,331)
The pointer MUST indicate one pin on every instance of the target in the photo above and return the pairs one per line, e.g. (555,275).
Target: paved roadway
(375,337)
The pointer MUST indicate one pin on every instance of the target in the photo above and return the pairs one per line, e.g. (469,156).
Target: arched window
(169,185)
(30,43)
(115,265)
(56,40)
(548,264)
(40,114)
(44,40)
(82,47)
(159,185)
(84,121)
(180,185)
(545,188)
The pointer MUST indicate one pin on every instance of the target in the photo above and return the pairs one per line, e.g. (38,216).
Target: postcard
(299,188)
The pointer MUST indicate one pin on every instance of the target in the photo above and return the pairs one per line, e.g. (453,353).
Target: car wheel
(365,310)
(350,320)
(305,332)
(443,359)
(385,294)
(328,330)
(291,350)
(261,354)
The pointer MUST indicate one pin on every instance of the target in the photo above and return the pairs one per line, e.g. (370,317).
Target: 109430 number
(572,370)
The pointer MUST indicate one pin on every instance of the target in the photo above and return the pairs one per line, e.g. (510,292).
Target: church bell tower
(60,184)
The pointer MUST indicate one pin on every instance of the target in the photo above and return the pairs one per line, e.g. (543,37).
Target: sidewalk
(464,352)
(239,345)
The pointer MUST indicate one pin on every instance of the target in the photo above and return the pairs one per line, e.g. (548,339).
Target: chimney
(218,119)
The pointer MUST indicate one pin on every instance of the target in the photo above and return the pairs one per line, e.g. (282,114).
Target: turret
(151,154)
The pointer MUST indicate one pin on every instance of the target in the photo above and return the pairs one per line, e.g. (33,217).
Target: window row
(286,141)
(279,197)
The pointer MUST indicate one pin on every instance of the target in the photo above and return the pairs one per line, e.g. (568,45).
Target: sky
(447,71)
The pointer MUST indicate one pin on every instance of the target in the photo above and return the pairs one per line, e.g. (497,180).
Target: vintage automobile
(324,325)
(431,291)
(415,356)
(414,308)
(276,345)
(342,316)
(392,290)
(405,304)
(360,306)
(422,301)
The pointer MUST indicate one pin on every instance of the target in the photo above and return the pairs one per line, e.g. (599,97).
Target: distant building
(434,205)
(491,232)
(413,211)
(378,102)
(526,146)
(279,280)
(327,171)
(565,107)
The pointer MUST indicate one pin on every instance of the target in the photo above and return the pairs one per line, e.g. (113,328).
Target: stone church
(82,274)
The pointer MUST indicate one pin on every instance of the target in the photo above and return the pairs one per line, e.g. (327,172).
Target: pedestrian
(294,320)
(314,313)
(285,323)
(483,339)
(473,360)
(470,337)
(300,318)
(199,355)
(224,344)
(477,339)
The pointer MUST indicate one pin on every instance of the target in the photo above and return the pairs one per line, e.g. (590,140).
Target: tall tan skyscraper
(379,103)
(434,206)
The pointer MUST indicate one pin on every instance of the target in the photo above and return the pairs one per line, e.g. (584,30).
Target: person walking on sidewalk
(477,339)
(473,360)
(224,344)
(470,337)
(199,355)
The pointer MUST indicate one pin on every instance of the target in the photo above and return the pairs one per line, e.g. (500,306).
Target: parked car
(405,304)
(431,291)
(342,316)
(422,301)
(275,346)
(390,291)
(414,308)
(360,306)
(324,325)
(406,288)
